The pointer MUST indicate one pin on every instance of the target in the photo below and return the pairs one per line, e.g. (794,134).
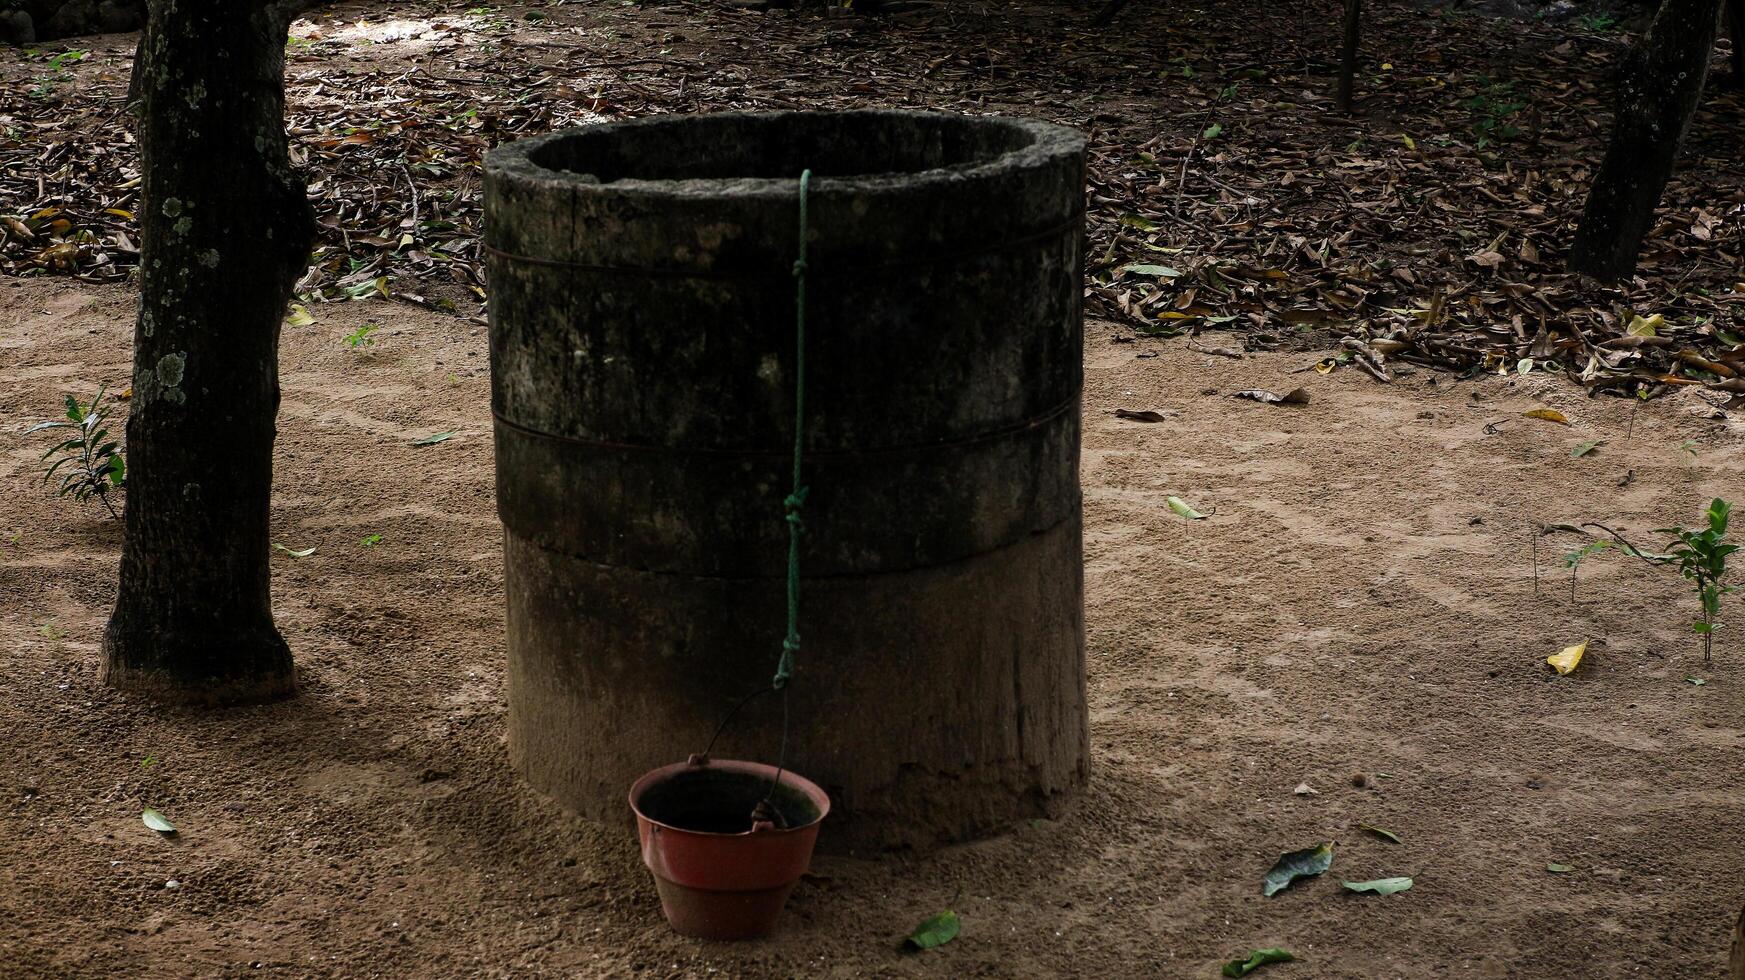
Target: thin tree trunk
(1736,24)
(1660,84)
(1736,956)
(1348,52)
(226,232)
(1107,13)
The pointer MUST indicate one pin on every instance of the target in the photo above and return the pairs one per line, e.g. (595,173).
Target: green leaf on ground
(302,553)
(1558,869)
(1306,863)
(1380,886)
(1256,960)
(157,821)
(1696,681)
(432,440)
(1379,832)
(933,932)
(1585,448)
(1181,507)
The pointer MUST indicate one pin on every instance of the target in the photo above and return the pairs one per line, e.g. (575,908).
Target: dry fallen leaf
(1549,415)
(1145,416)
(1566,659)
(1296,396)
(1645,326)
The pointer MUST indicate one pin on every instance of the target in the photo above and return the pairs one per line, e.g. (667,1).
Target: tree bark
(1736,955)
(1348,52)
(226,233)
(1736,25)
(1659,86)
(1106,14)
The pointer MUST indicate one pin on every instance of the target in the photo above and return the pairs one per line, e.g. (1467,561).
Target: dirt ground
(1360,602)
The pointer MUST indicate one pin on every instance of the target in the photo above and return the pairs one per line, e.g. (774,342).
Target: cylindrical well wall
(642,342)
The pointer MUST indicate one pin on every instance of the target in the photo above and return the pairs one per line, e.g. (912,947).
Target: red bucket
(720,875)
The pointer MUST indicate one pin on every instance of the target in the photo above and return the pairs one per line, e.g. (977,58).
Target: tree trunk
(226,233)
(1659,85)
(1736,956)
(1106,14)
(1736,24)
(1348,52)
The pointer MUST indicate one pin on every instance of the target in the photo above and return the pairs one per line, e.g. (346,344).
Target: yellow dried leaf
(60,255)
(1549,415)
(1645,326)
(299,316)
(1564,661)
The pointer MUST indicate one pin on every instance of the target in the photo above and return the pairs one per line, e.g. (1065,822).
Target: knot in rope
(785,666)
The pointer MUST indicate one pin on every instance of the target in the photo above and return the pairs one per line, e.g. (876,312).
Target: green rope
(796,500)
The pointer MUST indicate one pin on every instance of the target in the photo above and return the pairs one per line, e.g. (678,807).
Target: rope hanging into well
(791,514)
(766,810)
(797,499)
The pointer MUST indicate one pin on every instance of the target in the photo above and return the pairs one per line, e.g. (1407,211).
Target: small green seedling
(361,337)
(1701,557)
(90,464)
(371,541)
(1493,110)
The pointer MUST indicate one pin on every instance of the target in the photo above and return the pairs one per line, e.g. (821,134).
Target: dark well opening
(734,145)
(717,801)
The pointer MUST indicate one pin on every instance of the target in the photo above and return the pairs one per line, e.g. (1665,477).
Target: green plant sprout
(1700,555)
(361,337)
(1493,110)
(94,464)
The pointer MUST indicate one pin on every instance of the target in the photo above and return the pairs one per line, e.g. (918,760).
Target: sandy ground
(1359,603)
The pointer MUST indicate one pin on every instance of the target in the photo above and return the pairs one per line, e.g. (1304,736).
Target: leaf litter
(934,931)
(1380,886)
(1293,865)
(1257,959)
(1440,244)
